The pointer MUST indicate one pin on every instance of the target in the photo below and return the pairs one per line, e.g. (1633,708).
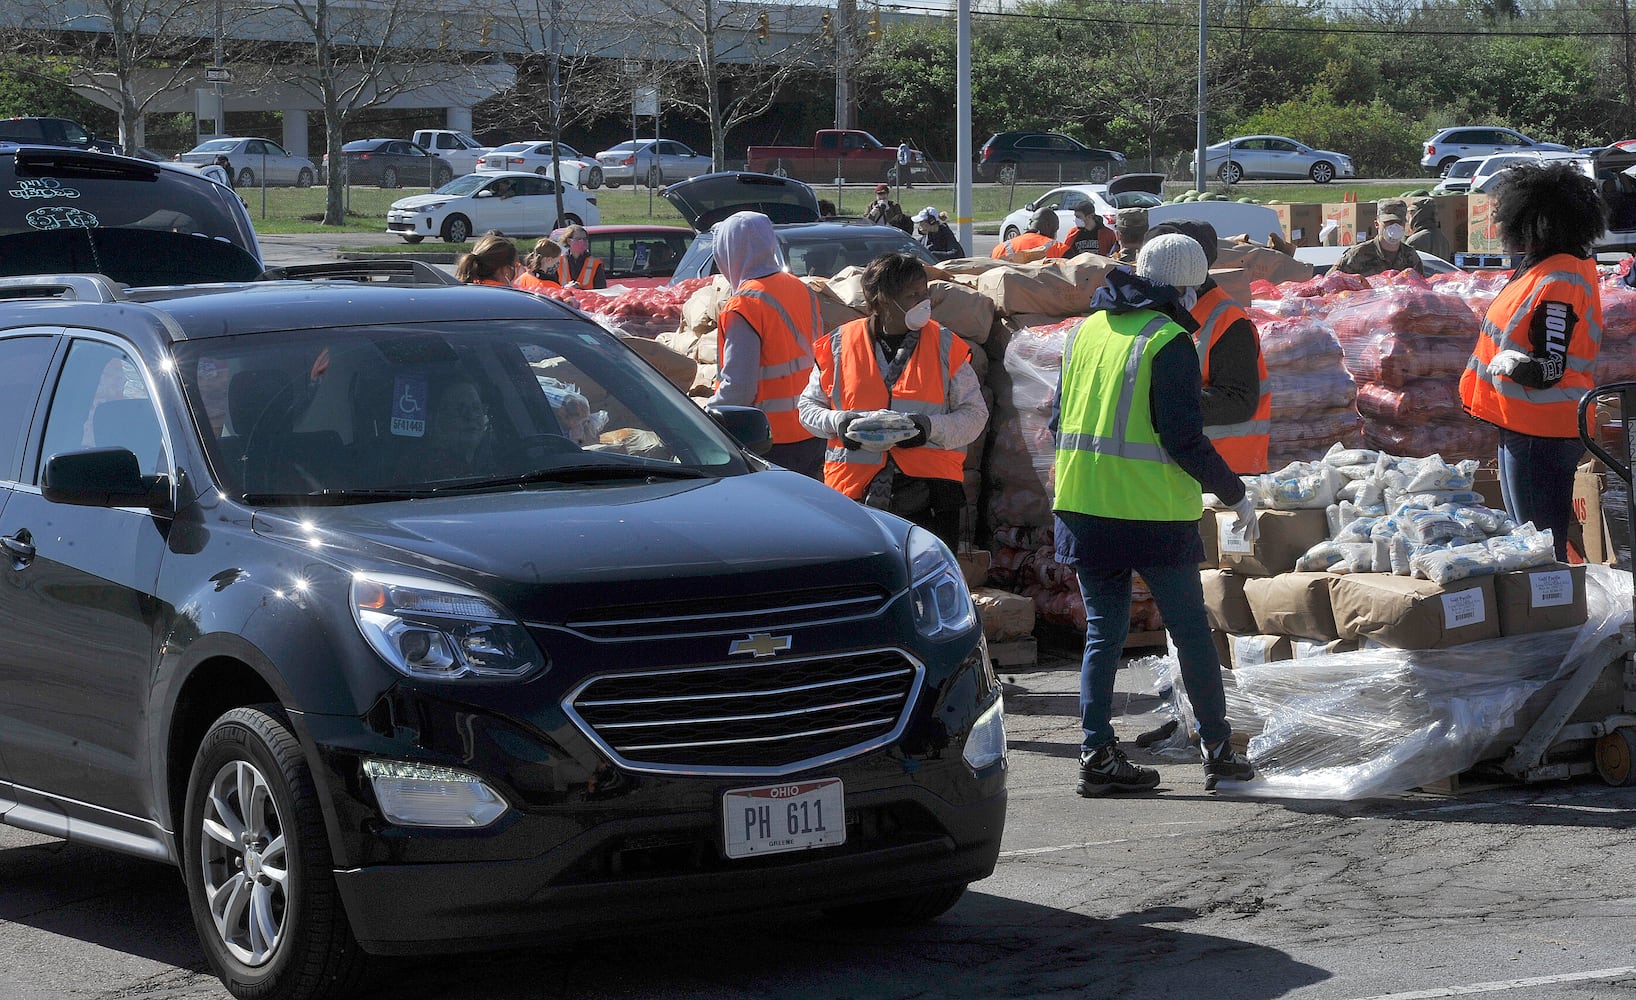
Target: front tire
(593,179)
(1010,233)
(1443,168)
(456,229)
(1099,173)
(916,908)
(413,239)
(442,177)
(1230,173)
(1007,174)
(247,178)
(569,219)
(258,868)
(304,178)
(389,177)
(1322,172)
(655,178)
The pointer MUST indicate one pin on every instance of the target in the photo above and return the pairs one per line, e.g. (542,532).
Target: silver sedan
(1273,156)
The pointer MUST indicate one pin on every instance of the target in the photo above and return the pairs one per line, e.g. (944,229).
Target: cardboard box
(1005,615)
(1540,599)
(1300,223)
(1300,649)
(1487,482)
(1224,648)
(1482,235)
(974,565)
(1224,602)
(1235,282)
(1254,650)
(1451,217)
(1404,613)
(1354,221)
(1588,535)
(1293,604)
(1285,537)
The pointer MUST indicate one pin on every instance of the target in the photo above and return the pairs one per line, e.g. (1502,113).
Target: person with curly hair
(1535,357)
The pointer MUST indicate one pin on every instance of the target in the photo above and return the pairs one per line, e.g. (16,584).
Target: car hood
(550,553)
(709,198)
(423,201)
(1151,183)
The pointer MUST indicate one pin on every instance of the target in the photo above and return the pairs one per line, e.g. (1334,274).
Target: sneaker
(1106,770)
(1222,761)
(1160,734)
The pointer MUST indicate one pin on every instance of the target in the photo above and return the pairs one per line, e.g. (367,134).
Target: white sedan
(1272,156)
(578,169)
(254,161)
(513,203)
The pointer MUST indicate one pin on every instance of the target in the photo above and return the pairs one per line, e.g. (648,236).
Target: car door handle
(20,547)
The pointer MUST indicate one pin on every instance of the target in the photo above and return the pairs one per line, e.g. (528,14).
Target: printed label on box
(1464,608)
(1552,590)
(1231,541)
(1249,651)
(1300,649)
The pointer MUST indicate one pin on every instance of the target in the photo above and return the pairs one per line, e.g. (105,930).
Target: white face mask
(1393,233)
(919,314)
(1188,298)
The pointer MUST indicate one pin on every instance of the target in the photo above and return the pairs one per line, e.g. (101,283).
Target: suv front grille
(721,616)
(748,718)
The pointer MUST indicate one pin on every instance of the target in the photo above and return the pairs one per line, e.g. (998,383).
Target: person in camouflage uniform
(1425,233)
(1387,251)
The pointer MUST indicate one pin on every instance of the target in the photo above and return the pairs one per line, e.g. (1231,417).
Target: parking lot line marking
(1509,984)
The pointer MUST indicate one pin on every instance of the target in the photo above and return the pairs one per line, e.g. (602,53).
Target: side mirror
(747,425)
(103,477)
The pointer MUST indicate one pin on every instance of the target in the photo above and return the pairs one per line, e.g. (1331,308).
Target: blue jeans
(1180,596)
(1537,482)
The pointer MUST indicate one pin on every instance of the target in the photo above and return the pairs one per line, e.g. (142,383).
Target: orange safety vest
(1027,241)
(1243,446)
(531,283)
(784,313)
(850,373)
(490,281)
(587,271)
(1552,412)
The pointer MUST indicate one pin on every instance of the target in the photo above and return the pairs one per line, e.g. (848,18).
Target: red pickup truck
(850,153)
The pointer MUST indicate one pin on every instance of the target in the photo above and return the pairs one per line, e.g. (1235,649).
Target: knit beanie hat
(1174,260)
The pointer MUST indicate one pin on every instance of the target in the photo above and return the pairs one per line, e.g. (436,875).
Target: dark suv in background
(54,132)
(1049,156)
(407,617)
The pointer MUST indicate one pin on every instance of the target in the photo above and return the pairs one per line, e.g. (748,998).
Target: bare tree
(721,70)
(363,55)
(126,52)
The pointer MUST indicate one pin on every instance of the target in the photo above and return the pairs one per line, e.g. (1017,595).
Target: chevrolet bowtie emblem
(760,645)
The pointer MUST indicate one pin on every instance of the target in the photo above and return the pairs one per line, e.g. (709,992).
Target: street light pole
(962,124)
(556,109)
(1198,154)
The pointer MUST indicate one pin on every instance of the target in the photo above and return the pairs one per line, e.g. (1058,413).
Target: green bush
(1382,142)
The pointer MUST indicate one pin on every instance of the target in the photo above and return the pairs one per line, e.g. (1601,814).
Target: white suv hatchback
(1456,143)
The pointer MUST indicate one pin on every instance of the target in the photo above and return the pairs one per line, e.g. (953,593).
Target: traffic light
(828,29)
(763,25)
(874,24)
(485,37)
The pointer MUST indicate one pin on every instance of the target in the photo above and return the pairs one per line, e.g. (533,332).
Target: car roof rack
(384,270)
(69,287)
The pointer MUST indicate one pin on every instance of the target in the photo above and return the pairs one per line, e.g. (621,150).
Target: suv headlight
(942,601)
(439,630)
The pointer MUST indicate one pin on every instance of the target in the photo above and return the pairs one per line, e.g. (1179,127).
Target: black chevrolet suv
(408,618)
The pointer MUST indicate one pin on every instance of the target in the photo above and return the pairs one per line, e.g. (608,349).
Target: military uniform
(1370,257)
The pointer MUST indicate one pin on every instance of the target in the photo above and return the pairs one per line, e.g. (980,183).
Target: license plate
(794,816)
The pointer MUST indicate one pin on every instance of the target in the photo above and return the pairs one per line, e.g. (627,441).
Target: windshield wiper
(336,498)
(588,473)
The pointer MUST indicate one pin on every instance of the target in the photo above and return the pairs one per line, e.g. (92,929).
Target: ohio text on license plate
(788,817)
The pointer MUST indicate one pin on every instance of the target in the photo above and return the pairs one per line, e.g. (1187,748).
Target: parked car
(54,132)
(1128,191)
(1451,144)
(1008,157)
(390,163)
(1457,179)
(1271,157)
(134,221)
(514,203)
(577,169)
(638,256)
(459,150)
(255,161)
(1488,172)
(811,247)
(621,674)
(656,162)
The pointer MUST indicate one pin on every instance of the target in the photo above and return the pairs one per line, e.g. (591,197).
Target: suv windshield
(387,412)
(77,212)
